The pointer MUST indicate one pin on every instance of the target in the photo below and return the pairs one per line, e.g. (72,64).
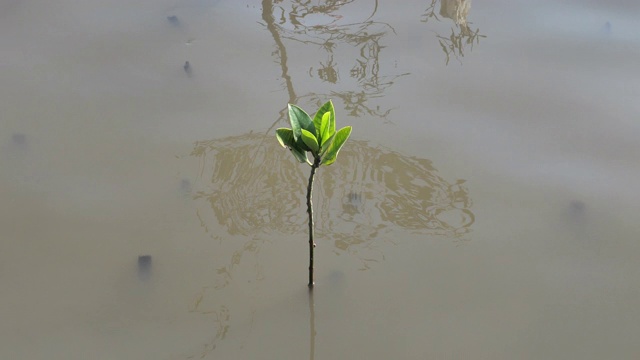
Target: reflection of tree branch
(220,317)
(281,52)
(355,104)
(461,35)
(430,12)
(306,9)
(456,43)
(364,36)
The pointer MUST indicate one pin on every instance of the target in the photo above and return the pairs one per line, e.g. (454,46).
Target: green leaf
(332,122)
(310,140)
(324,128)
(325,145)
(317,119)
(301,144)
(332,152)
(300,155)
(300,120)
(285,138)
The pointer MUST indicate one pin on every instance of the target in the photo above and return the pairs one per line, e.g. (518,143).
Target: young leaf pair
(317,136)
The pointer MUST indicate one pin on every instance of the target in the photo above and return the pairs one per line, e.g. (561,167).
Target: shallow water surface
(484,208)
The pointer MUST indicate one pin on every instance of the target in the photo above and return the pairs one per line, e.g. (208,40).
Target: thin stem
(312,244)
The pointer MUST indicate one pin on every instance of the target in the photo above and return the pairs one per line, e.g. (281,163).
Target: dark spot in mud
(19,139)
(336,277)
(577,212)
(185,187)
(187,68)
(355,198)
(19,144)
(577,207)
(144,267)
(173,20)
(352,203)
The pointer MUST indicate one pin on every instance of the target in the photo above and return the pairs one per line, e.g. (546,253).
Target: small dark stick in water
(187,68)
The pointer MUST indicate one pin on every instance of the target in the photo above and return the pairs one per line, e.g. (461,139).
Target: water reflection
(247,183)
(462,35)
(312,326)
(247,188)
(322,29)
(251,190)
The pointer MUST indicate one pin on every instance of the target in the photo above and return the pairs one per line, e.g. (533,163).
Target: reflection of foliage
(302,9)
(462,35)
(328,71)
(375,192)
(233,172)
(456,43)
(302,22)
(430,12)
(385,191)
(356,104)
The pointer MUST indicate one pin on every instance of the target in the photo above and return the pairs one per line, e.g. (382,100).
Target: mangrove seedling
(318,138)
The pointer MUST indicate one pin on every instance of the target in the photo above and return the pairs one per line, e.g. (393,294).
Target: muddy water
(485,208)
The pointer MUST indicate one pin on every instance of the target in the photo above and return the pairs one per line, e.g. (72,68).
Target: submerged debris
(607,28)
(144,267)
(173,20)
(19,141)
(185,187)
(577,207)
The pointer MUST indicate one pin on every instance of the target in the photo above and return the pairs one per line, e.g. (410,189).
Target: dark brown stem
(312,244)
